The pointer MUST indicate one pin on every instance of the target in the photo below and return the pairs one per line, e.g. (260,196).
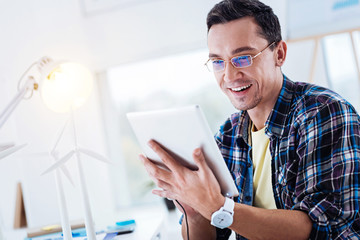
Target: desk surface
(152,223)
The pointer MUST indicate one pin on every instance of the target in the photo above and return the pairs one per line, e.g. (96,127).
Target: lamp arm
(29,84)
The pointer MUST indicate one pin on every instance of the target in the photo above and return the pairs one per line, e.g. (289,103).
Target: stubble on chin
(242,105)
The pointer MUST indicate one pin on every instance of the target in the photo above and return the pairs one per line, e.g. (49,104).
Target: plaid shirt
(315,148)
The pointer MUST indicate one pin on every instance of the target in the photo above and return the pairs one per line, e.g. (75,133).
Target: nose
(230,72)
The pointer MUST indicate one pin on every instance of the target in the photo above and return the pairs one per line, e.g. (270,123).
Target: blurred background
(144,54)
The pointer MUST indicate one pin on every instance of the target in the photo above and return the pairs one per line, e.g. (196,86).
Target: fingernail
(197,152)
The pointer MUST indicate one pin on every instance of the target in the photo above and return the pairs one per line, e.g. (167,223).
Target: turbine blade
(60,162)
(10,150)
(59,136)
(63,168)
(4,146)
(94,155)
(67,174)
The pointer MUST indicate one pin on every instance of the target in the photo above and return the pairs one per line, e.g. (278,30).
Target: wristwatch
(223,217)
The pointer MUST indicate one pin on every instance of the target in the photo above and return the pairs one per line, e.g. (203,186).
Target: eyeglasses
(243,61)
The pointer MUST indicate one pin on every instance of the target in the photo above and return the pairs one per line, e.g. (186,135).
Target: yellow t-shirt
(263,193)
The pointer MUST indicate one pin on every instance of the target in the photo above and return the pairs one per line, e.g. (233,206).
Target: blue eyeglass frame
(248,58)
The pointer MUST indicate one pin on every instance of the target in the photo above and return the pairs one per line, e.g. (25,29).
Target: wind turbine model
(77,151)
(64,87)
(64,216)
(54,154)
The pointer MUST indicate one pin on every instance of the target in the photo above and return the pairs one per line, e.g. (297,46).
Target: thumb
(199,159)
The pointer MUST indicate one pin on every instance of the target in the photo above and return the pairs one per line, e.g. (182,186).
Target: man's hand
(197,189)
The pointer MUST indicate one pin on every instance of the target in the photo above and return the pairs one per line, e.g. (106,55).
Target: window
(341,65)
(331,61)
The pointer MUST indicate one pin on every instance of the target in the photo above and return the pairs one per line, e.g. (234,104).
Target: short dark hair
(229,10)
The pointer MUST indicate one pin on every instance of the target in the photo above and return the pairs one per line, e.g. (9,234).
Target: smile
(239,89)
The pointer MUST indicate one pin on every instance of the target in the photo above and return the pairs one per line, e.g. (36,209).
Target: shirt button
(247,198)
(248,165)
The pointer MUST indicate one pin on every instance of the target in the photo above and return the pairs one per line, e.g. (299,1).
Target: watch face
(222,219)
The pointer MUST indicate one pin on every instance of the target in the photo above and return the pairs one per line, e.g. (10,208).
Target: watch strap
(229,205)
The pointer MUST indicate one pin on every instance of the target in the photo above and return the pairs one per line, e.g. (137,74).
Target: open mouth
(240,89)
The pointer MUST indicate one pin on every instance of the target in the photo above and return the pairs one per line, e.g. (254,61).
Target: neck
(261,112)
(259,118)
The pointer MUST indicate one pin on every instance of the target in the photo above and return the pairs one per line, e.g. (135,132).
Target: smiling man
(293,148)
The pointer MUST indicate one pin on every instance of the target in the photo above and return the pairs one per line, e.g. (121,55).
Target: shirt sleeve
(221,234)
(328,175)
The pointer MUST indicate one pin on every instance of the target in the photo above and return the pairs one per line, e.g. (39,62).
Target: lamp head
(64,86)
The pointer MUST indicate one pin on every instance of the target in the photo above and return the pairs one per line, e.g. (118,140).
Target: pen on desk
(122,225)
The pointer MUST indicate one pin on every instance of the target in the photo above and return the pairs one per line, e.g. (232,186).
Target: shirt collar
(242,123)
(276,122)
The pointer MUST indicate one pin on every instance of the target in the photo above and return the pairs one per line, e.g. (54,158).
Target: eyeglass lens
(241,61)
(218,65)
(238,62)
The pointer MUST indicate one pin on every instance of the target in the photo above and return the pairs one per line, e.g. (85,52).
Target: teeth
(240,88)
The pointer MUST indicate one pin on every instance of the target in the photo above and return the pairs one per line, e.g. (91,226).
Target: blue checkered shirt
(315,147)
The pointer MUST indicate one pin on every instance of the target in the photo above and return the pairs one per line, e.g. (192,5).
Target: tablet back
(180,131)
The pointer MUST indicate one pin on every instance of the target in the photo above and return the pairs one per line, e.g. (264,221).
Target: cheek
(219,79)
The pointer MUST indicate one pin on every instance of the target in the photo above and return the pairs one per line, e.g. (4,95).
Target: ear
(280,53)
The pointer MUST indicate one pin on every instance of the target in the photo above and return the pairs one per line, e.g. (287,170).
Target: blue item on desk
(126,223)
(79,233)
(113,234)
(110,236)
(123,225)
(119,228)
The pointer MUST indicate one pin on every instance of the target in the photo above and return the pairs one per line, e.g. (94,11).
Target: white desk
(152,223)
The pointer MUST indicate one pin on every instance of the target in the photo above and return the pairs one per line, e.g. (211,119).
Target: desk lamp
(25,90)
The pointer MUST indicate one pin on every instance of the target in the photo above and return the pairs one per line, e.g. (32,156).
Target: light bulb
(66,86)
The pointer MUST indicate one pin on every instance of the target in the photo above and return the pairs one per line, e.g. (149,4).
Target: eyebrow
(236,51)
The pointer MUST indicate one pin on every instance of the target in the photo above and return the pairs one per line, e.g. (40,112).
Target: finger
(163,193)
(167,159)
(163,185)
(199,159)
(155,172)
(206,172)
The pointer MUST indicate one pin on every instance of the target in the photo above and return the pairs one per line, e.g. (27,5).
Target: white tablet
(180,131)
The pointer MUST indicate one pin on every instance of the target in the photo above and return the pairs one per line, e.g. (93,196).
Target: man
(293,149)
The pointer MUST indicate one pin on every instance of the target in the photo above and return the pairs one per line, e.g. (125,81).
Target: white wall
(62,29)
